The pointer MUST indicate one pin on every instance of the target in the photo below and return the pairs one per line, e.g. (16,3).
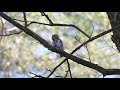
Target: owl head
(55,37)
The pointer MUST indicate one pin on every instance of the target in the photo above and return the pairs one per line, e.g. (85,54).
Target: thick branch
(91,39)
(65,54)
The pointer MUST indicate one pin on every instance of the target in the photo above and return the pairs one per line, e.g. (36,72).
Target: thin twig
(85,47)
(82,56)
(109,45)
(43,14)
(56,67)
(113,54)
(88,52)
(37,75)
(56,24)
(50,21)
(66,74)
(53,74)
(65,54)
(25,19)
(91,39)
(11,34)
(69,68)
(92,31)
(2,28)
(19,20)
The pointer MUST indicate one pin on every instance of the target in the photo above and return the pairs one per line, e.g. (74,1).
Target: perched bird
(57,42)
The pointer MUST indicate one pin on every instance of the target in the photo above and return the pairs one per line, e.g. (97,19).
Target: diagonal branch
(53,74)
(43,14)
(66,74)
(65,54)
(37,75)
(91,39)
(56,24)
(25,19)
(50,21)
(57,67)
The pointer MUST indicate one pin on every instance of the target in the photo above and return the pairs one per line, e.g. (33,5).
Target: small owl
(57,42)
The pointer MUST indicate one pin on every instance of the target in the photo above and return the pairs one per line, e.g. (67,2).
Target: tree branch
(2,28)
(56,24)
(51,22)
(69,68)
(54,74)
(91,39)
(25,19)
(37,75)
(11,34)
(65,54)
(43,14)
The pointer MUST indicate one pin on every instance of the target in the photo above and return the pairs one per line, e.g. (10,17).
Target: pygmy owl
(57,42)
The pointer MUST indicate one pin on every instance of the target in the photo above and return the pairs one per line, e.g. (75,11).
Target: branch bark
(56,24)
(65,54)
(114,18)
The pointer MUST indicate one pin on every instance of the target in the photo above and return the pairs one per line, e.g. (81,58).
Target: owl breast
(58,44)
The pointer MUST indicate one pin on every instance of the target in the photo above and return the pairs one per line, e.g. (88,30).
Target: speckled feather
(57,42)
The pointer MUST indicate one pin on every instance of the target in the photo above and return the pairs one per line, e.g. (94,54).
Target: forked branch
(65,54)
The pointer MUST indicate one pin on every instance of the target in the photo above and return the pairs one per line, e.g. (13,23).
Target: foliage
(22,54)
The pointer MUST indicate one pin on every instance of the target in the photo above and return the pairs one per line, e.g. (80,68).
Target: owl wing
(58,44)
(55,43)
(61,44)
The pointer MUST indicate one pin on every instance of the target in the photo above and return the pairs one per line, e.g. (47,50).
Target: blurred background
(20,54)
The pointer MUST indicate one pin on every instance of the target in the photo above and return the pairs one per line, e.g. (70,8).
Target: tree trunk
(114,18)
